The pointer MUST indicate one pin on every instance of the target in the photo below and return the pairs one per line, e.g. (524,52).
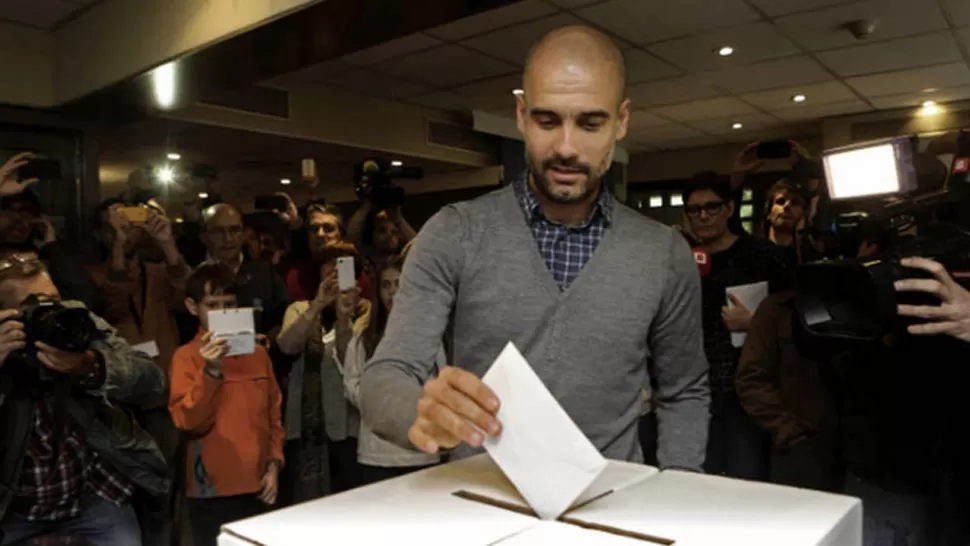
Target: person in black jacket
(71,461)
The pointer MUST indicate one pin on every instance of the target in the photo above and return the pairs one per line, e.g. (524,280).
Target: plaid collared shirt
(565,249)
(51,486)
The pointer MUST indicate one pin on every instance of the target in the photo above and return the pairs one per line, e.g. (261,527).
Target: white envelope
(751,295)
(541,450)
(238,327)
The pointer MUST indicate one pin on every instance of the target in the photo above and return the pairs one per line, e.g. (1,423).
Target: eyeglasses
(782,200)
(22,262)
(710,208)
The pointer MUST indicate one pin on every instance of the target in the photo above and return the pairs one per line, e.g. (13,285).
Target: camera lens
(66,329)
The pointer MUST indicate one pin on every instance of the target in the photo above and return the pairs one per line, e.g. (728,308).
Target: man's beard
(543,182)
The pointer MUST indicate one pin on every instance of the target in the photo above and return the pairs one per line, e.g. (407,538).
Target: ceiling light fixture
(164,84)
(930,108)
(518,92)
(725,51)
(174,156)
(203,195)
(397,163)
(737,125)
(799,98)
(166,175)
(285,181)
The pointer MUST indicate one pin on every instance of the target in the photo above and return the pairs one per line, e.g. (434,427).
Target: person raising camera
(70,463)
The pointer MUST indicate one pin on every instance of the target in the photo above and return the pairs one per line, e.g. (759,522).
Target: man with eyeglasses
(735,444)
(260,286)
(71,461)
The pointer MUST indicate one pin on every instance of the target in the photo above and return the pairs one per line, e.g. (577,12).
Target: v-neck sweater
(475,268)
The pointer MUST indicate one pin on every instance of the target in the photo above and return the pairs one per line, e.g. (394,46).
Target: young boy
(230,406)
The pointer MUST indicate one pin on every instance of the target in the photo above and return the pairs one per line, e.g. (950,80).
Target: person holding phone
(322,426)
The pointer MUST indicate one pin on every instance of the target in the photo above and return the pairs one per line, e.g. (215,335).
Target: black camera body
(69,329)
(374,181)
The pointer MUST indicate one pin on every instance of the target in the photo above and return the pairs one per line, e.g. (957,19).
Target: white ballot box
(471,502)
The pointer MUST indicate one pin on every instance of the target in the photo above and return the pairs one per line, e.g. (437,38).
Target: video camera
(65,328)
(886,203)
(374,181)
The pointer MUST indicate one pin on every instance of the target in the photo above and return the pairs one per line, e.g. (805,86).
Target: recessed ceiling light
(285,181)
(725,51)
(799,98)
(930,108)
(179,220)
(166,175)
(930,90)
(518,92)
(203,195)
(397,163)
(737,125)
(929,104)
(174,156)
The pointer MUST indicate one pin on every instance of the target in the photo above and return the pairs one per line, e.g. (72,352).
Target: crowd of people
(153,432)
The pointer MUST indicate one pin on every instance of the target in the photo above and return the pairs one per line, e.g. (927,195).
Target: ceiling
(684,94)
(43,14)
(249,163)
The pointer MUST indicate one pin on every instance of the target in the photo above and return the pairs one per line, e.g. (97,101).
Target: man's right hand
(327,293)
(456,407)
(12,336)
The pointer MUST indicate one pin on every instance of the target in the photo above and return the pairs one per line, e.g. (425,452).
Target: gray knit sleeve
(682,398)
(392,379)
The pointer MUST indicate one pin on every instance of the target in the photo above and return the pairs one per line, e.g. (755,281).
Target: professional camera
(374,181)
(49,322)
(889,195)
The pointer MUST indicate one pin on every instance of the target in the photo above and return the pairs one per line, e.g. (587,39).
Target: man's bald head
(576,48)
(222,232)
(219,212)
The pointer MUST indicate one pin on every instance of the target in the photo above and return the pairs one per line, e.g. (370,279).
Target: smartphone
(135,215)
(774,149)
(346,279)
(309,168)
(271,202)
(41,168)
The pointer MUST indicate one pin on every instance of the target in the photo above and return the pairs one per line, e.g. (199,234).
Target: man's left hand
(159,227)
(290,216)
(952,316)
(78,364)
(736,316)
(270,484)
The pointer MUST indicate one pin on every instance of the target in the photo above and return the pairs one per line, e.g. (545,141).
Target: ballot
(237,326)
(751,295)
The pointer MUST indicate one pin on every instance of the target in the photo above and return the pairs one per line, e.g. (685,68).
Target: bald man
(585,287)
(260,286)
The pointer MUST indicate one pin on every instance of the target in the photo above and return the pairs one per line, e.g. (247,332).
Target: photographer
(379,233)
(72,462)
(24,228)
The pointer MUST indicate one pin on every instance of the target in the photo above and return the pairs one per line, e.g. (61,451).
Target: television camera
(888,200)
(375,181)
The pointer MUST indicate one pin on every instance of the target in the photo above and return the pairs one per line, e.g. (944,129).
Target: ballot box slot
(565,518)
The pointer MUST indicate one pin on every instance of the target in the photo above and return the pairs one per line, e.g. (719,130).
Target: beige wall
(121,38)
(328,115)
(680,164)
(845,130)
(27,57)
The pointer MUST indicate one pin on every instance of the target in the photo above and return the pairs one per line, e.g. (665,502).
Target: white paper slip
(237,326)
(541,449)
(149,348)
(751,295)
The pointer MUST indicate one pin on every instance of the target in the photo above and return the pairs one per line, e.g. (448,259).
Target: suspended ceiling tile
(670,131)
(751,43)
(446,66)
(959,11)
(706,109)
(776,8)
(911,81)
(642,67)
(775,74)
(392,49)
(648,21)
(818,30)
(492,20)
(941,96)
(725,125)
(381,85)
(815,94)
(671,91)
(819,111)
(929,49)
(514,42)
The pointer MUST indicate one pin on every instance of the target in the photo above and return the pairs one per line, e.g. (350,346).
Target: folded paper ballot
(237,326)
(541,450)
(751,295)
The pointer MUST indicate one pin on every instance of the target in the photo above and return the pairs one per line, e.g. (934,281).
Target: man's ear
(521,112)
(623,119)
(192,306)
(730,208)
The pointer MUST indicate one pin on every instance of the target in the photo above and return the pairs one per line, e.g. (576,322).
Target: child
(230,406)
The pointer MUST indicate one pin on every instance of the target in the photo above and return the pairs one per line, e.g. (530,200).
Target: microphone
(703,259)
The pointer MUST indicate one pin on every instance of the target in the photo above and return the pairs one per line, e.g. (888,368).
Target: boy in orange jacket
(230,406)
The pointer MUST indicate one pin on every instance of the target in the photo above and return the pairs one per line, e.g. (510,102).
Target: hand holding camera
(65,362)
(952,316)
(159,227)
(12,336)
(10,183)
(212,350)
